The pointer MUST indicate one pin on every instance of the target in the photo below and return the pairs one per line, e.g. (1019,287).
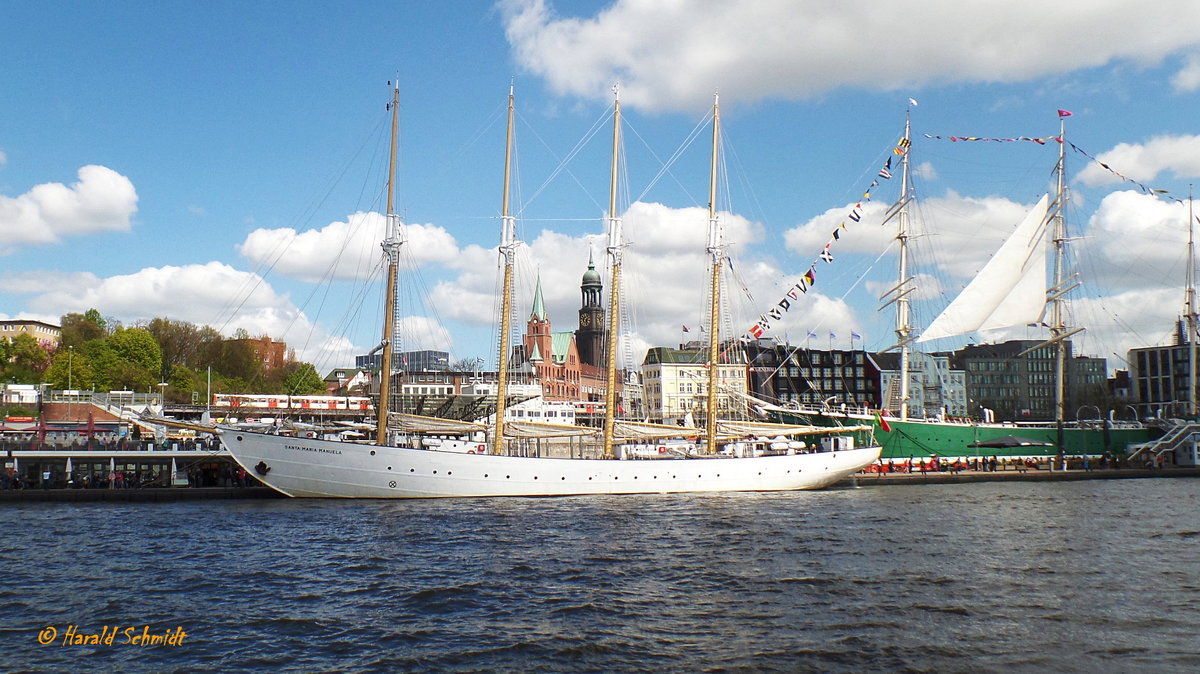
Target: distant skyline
(223,163)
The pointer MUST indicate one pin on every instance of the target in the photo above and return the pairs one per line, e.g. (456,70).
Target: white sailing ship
(402,463)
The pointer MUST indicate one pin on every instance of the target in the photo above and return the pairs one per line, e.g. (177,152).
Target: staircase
(1177,436)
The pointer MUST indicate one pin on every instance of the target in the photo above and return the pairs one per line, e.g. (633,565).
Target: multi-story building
(267,351)
(783,374)
(675,383)
(935,389)
(406,361)
(1160,377)
(46,334)
(1016,379)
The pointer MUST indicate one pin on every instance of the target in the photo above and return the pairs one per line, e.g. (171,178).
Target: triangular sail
(1009,290)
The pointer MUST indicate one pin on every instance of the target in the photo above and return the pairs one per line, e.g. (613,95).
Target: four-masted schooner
(400,465)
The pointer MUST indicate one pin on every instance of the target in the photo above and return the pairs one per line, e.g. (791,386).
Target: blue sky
(218,162)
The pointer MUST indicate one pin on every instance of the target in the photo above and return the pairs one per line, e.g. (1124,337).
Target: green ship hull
(921,438)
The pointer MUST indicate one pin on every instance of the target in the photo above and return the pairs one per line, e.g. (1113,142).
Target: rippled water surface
(1072,576)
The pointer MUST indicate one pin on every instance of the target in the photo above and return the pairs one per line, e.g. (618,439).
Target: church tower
(589,338)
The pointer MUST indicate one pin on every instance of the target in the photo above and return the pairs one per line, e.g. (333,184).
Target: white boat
(400,465)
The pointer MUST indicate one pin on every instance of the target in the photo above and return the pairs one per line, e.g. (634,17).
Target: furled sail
(1009,290)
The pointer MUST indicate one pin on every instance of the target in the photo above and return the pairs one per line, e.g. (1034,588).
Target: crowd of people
(985,464)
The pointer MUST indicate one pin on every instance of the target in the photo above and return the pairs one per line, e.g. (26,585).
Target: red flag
(1064,113)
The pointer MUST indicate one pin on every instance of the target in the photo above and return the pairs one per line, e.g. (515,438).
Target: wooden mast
(714,309)
(508,244)
(391,248)
(615,244)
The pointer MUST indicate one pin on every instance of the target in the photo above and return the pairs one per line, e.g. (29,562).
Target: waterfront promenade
(1042,475)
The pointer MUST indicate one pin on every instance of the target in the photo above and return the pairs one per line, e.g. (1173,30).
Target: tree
(78,329)
(27,360)
(303,380)
(69,370)
(137,347)
(465,365)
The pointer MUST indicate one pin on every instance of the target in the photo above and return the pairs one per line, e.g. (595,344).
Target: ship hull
(327,469)
(924,438)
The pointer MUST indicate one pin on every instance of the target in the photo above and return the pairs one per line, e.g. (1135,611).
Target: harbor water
(1063,576)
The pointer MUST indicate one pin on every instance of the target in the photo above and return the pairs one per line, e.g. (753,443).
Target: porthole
(239,438)
(412,470)
(372,452)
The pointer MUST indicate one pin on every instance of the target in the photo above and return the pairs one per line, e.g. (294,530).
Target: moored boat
(400,465)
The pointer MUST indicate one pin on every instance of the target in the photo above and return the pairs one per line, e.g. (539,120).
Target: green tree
(137,347)
(78,329)
(26,362)
(69,370)
(303,380)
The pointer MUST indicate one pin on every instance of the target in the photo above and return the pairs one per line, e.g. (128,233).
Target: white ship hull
(312,468)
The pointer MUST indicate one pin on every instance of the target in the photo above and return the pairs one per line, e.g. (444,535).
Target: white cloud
(967,229)
(343,250)
(201,294)
(674,55)
(3,158)
(102,200)
(1145,161)
(665,276)
(1134,234)
(1188,78)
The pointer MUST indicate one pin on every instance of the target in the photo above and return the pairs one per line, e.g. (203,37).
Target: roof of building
(591,277)
(539,305)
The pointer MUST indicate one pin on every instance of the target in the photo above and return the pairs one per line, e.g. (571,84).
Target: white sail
(1009,290)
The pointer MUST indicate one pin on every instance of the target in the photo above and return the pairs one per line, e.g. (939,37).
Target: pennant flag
(685,329)
(837,234)
(826,255)
(1064,113)
(756,331)
(883,424)
(902,146)
(811,276)
(886,171)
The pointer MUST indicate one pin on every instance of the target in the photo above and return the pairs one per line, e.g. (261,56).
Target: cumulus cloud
(1188,78)
(665,276)
(204,294)
(674,55)
(343,250)
(1145,161)
(101,201)
(959,232)
(1133,234)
